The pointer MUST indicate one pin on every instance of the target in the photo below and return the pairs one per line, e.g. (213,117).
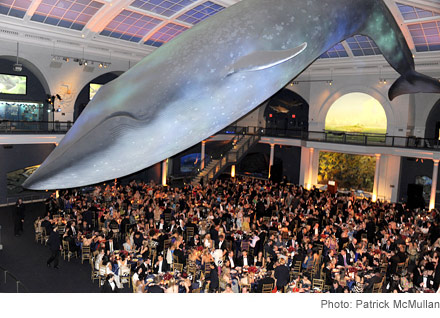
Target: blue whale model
(210,76)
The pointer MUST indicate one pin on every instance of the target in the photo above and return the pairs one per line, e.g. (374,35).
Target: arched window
(357,112)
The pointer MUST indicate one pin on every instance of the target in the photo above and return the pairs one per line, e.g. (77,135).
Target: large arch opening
(287,110)
(432,127)
(89,90)
(357,112)
(23,94)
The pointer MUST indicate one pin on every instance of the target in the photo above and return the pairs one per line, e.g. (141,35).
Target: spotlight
(100,65)
(65,59)
(85,63)
(58,109)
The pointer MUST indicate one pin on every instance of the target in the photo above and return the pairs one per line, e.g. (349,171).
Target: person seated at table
(154,287)
(369,283)
(172,287)
(268,279)
(161,265)
(99,258)
(336,288)
(228,289)
(343,259)
(244,260)
(127,245)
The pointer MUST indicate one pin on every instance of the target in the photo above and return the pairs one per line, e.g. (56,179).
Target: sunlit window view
(357,112)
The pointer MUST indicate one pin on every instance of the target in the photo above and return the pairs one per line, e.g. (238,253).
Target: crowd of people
(246,235)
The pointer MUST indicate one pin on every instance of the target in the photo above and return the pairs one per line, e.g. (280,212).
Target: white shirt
(160,267)
(245,261)
(255,239)
(231,260)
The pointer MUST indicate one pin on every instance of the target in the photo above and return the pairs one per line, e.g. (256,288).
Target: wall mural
(350,171)
(211,75)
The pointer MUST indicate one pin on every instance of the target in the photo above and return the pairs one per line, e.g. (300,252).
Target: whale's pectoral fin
(413,82)
(261,60)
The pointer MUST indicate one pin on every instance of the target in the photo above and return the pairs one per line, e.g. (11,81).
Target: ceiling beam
(422,4)
(32,8)
(106,14)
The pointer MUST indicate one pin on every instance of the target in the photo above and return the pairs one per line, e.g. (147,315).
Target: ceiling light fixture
(81,61)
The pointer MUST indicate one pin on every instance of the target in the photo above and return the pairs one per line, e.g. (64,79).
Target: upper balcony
(21,132)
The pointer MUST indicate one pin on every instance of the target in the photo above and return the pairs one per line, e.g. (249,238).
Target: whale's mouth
(83,147)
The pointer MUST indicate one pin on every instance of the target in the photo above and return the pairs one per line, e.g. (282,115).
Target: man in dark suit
(109,285)
(268,279)
(244,260)
(180,255)
(161,265)
(54,243)
(282,274)
(213,278)
(221,244)
(377,278)
(343,259)
(19,217)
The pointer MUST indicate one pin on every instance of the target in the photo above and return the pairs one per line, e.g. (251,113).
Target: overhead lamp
(81,61)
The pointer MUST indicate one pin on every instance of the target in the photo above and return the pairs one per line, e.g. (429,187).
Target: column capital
(436,161)
(378,155)
(203,142)
(272,145)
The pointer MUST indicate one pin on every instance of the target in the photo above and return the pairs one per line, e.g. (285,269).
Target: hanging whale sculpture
(210,76)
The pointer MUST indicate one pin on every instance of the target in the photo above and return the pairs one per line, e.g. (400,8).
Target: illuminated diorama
(211,75)
(356,112)
(350,171)
(21,111)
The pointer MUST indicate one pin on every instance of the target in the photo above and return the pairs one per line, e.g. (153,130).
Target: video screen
(12,84)
(94,88)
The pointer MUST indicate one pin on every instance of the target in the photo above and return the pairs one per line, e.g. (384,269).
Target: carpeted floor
(26,259)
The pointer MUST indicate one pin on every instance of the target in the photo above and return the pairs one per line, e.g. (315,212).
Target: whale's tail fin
(413,82)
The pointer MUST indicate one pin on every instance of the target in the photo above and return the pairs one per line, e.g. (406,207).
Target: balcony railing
(351,138)
(34,127)
(366,139)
